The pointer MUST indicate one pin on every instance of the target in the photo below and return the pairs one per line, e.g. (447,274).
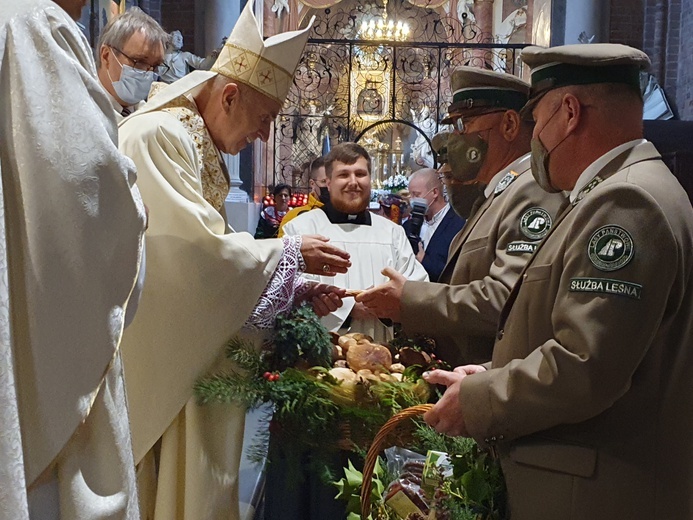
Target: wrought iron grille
(346,89)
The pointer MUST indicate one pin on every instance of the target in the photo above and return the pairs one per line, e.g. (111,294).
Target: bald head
(425,184)
(429,177)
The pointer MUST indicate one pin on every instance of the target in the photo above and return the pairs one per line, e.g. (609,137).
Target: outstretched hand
(322,258)
(447,416)
(324,298)
(384,300)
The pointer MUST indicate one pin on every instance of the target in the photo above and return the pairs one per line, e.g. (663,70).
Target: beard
(346,204)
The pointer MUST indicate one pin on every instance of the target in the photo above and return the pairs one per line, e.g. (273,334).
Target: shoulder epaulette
(584,191)
(506,181)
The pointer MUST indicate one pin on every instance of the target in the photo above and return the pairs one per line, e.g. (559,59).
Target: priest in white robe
(373,242)
(70,244)
(204,280)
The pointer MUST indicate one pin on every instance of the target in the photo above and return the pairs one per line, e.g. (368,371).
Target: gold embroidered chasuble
(214,176)
(202,282)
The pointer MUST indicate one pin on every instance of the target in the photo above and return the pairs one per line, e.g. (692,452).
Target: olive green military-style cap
(582,64)
(439,143)
(479,91)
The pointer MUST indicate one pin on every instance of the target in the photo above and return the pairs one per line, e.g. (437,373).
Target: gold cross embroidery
(241,63)
(265,76)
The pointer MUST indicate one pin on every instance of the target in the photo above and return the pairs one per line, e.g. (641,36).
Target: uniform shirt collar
(593,169)
(518,165)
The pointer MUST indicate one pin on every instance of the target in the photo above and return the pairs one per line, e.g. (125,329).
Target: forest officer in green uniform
(590,396)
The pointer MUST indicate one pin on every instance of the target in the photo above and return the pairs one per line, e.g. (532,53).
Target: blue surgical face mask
(133,85)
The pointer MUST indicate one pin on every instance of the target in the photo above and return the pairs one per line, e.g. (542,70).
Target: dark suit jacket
(437,250)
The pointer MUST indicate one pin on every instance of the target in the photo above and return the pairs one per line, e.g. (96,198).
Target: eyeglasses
(461,123)
(142,65)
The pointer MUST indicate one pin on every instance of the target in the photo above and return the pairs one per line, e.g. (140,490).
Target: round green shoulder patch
(535,223)
(610,248)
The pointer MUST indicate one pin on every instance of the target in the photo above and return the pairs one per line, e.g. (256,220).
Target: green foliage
(300,336)
(244,355)
(417,341)
(349,489)
(311,409)
(477,488)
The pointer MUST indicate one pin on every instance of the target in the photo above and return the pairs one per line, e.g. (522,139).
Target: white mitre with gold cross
(267,66)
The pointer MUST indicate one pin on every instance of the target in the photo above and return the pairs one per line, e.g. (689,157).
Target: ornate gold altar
(386,91)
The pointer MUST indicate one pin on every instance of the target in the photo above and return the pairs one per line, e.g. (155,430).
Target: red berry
(267,375)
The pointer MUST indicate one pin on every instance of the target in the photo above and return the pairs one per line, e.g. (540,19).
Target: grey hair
(119,30)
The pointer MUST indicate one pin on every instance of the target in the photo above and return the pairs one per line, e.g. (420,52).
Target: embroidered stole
(213,176)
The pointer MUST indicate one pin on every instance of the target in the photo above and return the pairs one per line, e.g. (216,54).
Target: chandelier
(380,28)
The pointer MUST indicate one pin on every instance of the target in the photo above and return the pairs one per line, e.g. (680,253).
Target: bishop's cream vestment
(70,240)
(203,282)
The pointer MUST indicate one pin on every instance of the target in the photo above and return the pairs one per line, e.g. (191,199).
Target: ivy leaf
(354,477)
(475,485)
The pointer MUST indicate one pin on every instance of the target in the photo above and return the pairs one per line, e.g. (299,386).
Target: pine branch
(244,354)
(229,388)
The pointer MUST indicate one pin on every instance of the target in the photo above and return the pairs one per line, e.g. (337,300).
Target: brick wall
(661,41)
(684,91)
(627,22)
(180,14)
(656,26)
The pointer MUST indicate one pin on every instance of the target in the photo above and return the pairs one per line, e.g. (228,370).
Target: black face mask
(324,194)
(463,196)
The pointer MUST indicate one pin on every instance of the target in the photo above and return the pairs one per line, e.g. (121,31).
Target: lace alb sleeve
(283,288)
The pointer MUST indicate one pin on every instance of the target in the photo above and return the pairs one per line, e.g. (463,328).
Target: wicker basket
(377,446)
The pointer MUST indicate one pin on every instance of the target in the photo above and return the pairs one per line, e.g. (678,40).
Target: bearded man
(375,243)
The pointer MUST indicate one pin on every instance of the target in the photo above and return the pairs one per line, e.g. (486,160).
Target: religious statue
(180,62)
(279,6)
(421,153)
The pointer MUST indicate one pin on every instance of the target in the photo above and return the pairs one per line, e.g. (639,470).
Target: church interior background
(389,90)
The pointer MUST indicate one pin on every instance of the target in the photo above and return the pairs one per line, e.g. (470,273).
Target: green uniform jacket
(486,258)
(590,398)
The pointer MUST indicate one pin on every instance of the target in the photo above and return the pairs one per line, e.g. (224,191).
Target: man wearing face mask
(130,57)
(318,195)
(589,395)
(439,225)
(488,181)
